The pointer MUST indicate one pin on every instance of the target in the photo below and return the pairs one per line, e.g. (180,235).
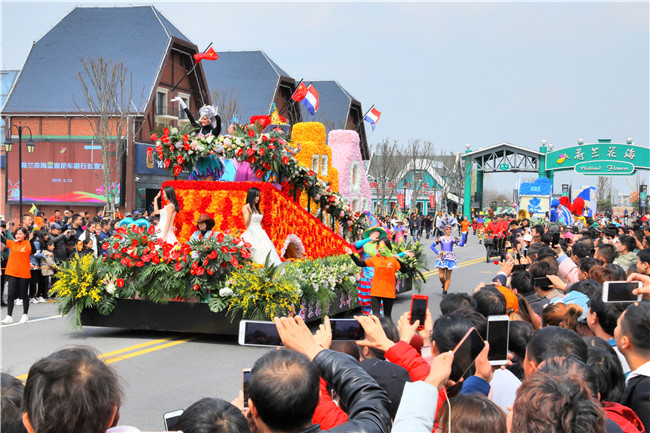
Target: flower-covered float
(208,285)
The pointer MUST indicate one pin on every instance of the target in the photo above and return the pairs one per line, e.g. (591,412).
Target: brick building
(65,168)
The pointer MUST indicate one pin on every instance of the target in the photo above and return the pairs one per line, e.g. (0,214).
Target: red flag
(208,55)
(300,93)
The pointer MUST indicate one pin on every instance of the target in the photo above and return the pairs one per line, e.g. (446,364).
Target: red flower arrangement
(282,216)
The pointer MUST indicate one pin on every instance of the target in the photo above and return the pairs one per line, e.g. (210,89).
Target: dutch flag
(311,100)
(373,117)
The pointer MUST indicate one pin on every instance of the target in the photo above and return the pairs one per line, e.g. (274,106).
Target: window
(315,160)
(323,165)
(355,205)
(355,181)
(364,204)
(186,98)
(161,103)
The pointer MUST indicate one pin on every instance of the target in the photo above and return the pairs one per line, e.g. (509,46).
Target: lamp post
(30,149)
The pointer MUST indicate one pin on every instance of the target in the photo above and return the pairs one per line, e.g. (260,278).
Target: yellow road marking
(460,265)
(155,343)
(151,349)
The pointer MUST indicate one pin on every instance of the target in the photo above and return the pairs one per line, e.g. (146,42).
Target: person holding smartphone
(382,290)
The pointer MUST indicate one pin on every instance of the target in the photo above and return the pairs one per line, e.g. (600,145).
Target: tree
(108,91)
(227,101)
(604,192)
(386,162)
(419,157)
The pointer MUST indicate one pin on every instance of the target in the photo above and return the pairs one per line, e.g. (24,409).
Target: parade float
(208,285)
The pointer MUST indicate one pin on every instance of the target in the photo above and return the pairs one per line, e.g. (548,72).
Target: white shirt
(644,370)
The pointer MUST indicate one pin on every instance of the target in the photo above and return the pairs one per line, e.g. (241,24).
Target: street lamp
(9,144)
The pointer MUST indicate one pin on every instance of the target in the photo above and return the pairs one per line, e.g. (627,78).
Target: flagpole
(190,71)
(291,101)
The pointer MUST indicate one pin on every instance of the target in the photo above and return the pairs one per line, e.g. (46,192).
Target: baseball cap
(56,226)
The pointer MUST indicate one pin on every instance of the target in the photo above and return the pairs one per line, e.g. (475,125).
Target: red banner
(400,199)
(432,199)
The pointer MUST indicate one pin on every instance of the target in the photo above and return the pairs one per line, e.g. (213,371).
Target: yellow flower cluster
(78,280)
(312,137)
(262,298)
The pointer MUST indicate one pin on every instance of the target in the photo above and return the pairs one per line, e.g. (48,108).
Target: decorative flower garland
(269,155)
(223,201)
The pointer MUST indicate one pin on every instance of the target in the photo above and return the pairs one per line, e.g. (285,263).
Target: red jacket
(327,413)
(625,417)
(406,356)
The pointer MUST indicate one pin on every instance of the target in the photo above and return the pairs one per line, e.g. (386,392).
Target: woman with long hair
(382,291)
(261,246)
(165,227)
(18,273)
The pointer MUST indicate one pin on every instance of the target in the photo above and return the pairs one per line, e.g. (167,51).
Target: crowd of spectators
(48,242)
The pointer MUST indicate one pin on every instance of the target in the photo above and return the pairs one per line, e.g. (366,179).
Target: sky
(452,73)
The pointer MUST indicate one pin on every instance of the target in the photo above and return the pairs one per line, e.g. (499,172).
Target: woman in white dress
(165,227)
(255,234)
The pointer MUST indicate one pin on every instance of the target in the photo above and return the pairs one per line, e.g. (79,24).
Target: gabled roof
(249,76)
(137,36)
(501,146)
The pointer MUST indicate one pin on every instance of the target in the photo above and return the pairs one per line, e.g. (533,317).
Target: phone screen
(620,291)
(171,419)
(516,268)
(556,238)
(347,330)
(245,376)
(497,336)
(465,354)
(262,333)
(419,310)
(542,282)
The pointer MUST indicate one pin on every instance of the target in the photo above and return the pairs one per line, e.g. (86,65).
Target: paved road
(164,371)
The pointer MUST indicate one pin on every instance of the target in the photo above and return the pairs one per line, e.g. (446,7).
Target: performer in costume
(165,227)
(446,258)
(368,246)
(385,265)
(480,227)
(204,226)
(209,167)
(400,232)
(261,245)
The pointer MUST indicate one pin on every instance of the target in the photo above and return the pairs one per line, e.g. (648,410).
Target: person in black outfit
(209,167)
(631,335)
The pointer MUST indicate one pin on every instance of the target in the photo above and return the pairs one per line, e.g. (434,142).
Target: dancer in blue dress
(447,260)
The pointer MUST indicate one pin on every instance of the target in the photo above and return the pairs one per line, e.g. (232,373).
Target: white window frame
(355,184)
(186,98)
(165,91)
(315,163)
(324,160)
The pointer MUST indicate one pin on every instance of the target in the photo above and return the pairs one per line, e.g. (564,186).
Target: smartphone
(556,238)
(258,333)
(526,252)
(419,304)
(498,334)
(465,353)
(543,282)
(520,267)
(245,375)
(171,419)
(592,252)
(347,330)
(621,291)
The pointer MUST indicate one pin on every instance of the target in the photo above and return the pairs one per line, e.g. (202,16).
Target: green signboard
(504,167)
(603,158)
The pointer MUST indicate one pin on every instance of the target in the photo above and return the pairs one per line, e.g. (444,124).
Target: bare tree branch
(108,92)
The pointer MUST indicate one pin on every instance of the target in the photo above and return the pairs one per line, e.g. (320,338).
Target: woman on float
(385,265)
(165,227)
(209,167)
(447,260)
(368,246)
(261,246)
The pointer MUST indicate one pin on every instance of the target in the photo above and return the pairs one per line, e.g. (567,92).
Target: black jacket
(60,249)
(637,398)
(367,402)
